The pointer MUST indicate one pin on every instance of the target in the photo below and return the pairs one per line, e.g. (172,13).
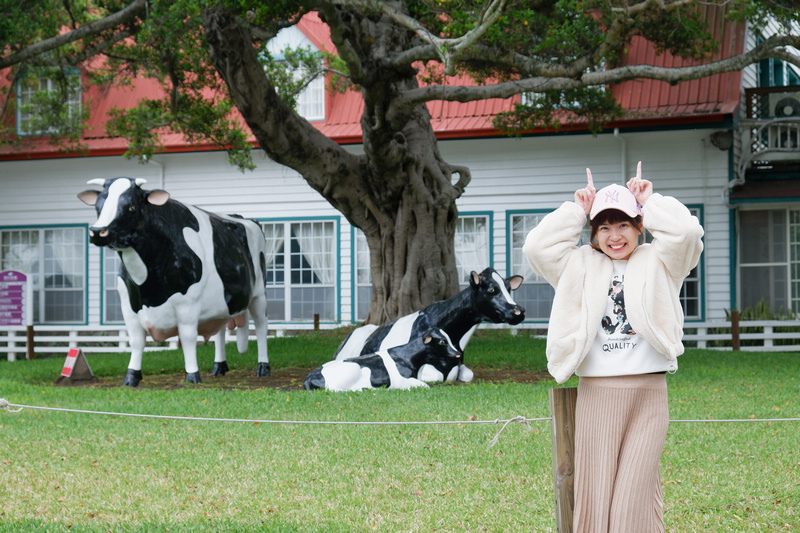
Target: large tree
(211,56)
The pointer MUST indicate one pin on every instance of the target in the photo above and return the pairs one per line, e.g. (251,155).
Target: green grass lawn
(62,471)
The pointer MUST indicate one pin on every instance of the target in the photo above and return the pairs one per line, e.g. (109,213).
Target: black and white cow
(427,358)
(488,298)
(185,272)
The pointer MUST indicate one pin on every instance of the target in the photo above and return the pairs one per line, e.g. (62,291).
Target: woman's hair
(610,216)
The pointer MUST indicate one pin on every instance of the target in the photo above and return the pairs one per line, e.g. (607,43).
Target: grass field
(65,471)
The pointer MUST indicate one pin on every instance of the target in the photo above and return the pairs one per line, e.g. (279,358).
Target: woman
(617,323)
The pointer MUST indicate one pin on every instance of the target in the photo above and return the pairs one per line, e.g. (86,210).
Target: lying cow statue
(488,298)
(427,358)
(185,272)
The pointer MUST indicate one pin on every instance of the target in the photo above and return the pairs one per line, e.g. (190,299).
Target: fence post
(735,343)
(12,344)
(29,340)
(562,430)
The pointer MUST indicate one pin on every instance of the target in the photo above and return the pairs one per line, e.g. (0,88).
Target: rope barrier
(4,404)
(15,408)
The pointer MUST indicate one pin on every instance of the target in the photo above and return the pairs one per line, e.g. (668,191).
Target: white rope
(520,419)
(6,405)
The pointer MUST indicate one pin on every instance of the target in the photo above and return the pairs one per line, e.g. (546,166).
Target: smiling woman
(608,328)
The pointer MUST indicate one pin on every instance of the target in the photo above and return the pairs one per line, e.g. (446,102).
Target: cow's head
(434,348)
(119,210)
(491,297)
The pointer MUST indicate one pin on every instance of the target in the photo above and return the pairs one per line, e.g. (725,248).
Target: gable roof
(647,103)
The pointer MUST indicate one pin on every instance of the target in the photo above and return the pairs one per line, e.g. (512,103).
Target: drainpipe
(161,172)
(624,162)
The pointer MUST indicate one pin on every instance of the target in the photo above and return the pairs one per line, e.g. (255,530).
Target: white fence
(760,335)
(58,340)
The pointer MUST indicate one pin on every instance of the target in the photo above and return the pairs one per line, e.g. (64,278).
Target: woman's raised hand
(640,188)
(585,197)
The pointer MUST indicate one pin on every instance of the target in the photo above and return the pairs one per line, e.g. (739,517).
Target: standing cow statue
(185,272)
(488,298)
(429,357)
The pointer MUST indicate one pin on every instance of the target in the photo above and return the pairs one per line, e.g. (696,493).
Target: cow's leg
(465,374)
(137,337)
(188,336)
(243,334)
(258,311)
(220,358)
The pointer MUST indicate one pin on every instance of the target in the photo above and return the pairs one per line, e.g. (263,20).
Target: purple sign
(13,298)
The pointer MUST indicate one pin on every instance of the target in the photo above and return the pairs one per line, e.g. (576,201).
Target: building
(726,146)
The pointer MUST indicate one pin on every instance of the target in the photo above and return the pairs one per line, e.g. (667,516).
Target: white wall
(507,174)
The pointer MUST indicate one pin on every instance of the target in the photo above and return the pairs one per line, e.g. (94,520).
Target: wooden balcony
(770,130)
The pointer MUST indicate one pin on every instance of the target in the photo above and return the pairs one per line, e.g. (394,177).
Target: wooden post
(562,430)
(316,321)
(735,342)
(29,339)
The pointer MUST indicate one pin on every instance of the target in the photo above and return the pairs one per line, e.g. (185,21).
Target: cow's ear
(157,197)
(514,282)
(474,279)
(89,197)
(427,339)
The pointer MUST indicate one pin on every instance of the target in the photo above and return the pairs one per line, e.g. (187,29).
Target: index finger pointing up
(639,171)
(589,178)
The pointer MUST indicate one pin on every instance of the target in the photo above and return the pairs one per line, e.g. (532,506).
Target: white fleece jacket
(581,276)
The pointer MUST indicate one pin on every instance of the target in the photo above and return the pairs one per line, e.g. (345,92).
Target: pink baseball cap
(615,197)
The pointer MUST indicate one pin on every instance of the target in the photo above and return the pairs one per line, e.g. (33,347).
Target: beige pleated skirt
(620,428)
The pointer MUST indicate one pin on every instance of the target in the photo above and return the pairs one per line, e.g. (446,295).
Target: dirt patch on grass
(292,379)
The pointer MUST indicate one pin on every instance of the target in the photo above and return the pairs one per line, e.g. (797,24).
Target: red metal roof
(714,95)
(647,102)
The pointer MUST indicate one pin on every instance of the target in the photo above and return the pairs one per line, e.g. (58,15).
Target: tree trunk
(401,193)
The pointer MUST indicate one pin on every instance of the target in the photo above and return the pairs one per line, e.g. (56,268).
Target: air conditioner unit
(782,105)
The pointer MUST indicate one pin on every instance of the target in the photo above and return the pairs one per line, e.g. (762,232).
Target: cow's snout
(518,315)
(98,236)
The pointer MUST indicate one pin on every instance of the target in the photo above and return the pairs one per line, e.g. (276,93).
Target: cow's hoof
(193,377)
(220,368)
(262,370)
(132,378)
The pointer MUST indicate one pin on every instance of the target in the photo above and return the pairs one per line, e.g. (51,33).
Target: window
(48,98)
(536,294)
(302,270)
(362,291)
(691,293)
(310,102)
(112,308)
(769,259)
(56,260)
(472,245)
(775,72)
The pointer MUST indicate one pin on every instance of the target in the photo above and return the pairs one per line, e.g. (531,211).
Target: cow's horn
(96,181)
(140,181)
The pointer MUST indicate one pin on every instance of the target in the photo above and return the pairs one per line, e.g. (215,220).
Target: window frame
(788,264)
(74,104)
(356,314)
(314,91)
(41,293)
(287,285)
